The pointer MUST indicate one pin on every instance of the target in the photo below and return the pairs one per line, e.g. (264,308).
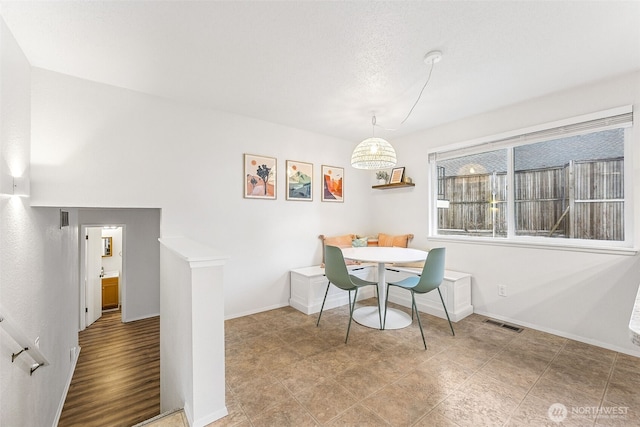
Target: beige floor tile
(469,410)
(494,335)
(286,414)
(541,338)
(301,375)
(240,373)
(416,383)
(399,408)
(362,380)
(471,353)
(554,389)
(482,376)
(590,351)
(434,419)
(539,412)
(623,388)
(336,360)
(481,401)
(257,396)
(521,376)
(627,363)
(278,359)
(543,349)
(614,415)
(326,400)
(449,374)
(587,364)
(358,415)
(573,372)
(536,359)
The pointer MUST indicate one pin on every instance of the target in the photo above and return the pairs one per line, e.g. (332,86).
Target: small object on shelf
(382,177)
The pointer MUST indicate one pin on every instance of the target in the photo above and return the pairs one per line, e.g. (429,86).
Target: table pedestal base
(368,316)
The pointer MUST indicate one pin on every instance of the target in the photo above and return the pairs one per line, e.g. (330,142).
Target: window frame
(621,117)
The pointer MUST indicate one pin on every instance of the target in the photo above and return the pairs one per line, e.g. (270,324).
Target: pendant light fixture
(373,153)
(378,153)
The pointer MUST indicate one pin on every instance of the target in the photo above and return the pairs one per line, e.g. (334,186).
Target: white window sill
(538,244)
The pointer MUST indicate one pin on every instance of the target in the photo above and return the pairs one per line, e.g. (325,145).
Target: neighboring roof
(593,146)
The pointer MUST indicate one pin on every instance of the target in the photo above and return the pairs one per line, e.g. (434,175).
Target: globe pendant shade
(373,153)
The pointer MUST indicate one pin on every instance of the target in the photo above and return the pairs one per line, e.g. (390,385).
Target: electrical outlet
(502,290)
(36,342)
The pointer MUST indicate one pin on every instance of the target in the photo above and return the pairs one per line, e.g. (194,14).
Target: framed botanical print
(259,177)
(332,184)
(299,180)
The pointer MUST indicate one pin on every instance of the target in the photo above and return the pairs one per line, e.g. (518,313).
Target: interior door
(93,281)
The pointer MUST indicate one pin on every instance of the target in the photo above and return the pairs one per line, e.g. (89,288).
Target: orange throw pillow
(400,241)
(344,241)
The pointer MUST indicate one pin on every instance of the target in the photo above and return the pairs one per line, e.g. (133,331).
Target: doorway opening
(139,253)
(102,271)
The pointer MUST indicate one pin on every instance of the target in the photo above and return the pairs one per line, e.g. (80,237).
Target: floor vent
(504,325)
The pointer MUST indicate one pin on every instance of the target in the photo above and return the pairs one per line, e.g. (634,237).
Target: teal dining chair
(430,279)
(336,271)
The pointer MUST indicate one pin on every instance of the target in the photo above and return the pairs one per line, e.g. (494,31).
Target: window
(553,184)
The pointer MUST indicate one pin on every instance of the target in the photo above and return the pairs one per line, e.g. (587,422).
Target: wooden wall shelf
(389,186)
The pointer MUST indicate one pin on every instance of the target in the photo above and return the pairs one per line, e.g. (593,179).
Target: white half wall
(585,296)
(192,372)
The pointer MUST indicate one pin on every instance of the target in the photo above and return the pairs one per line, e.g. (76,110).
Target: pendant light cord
(431,57)
(420,95)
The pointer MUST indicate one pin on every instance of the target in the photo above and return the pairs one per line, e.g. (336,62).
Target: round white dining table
(368,316)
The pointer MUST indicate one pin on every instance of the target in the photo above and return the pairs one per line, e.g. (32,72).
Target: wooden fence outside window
(580,200)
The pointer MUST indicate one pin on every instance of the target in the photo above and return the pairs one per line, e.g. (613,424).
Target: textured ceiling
(328,66)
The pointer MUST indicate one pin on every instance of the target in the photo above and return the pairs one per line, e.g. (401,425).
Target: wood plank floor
(117,377)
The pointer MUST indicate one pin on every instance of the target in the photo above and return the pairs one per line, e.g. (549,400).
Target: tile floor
(282,370)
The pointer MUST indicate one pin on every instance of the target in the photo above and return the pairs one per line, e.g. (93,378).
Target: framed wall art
(259,177)
(299,180)
(396,175)
(332,184)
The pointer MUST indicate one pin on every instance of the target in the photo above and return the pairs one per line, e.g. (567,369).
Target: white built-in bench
(309,284)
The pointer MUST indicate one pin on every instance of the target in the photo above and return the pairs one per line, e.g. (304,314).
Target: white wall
(189,162)
(38,266)
(587,296)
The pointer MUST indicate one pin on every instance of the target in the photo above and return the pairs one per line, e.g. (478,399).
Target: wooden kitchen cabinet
(109,293)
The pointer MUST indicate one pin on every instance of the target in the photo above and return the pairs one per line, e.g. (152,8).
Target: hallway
(117,379)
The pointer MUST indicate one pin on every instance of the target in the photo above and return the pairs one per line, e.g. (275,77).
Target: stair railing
(27,346)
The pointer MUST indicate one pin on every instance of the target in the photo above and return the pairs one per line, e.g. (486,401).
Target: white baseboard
(434,310)
(74,361)
(205,421)
(147,316)
(257,310)
(559,333)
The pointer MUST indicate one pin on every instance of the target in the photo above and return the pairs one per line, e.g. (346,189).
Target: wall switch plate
(502,290)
